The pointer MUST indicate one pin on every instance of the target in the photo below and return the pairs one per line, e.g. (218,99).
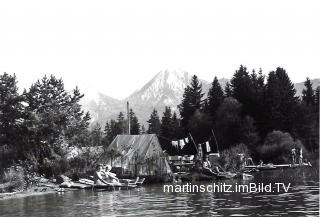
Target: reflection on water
(302,199)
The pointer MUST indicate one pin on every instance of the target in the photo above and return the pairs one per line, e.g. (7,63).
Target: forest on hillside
(255,114)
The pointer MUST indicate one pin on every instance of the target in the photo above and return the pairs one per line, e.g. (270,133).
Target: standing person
(300,156)
(293,156)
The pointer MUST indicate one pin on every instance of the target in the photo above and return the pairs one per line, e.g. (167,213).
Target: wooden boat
(75,185)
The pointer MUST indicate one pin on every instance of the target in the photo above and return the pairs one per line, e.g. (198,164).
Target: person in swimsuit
(98,180)
(109,176)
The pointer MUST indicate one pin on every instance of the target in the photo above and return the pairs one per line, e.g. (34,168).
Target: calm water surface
(302,199)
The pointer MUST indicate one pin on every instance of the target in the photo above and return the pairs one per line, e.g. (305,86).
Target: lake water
(302,199)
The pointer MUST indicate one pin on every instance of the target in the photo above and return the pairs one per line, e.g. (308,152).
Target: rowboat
(89,184)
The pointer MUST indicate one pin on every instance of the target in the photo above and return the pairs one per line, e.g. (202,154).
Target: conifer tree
(167,123)
(227,90)
(280,102)
(192,101)
(308,94)
(154,123)
(11,114)
(121,124)
(134,124)
(215,97)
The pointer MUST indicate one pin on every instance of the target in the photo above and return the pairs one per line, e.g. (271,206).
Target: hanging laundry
(208,147)
(182,144)
(175,144)
(186,140)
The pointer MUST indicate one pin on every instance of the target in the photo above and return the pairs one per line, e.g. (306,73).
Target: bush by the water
(230,159)
(13,180)
(277,148)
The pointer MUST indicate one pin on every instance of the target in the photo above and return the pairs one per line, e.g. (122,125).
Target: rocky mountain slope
(164,89)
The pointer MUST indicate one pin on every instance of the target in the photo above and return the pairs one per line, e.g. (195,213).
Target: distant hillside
(299,86)
(164,89)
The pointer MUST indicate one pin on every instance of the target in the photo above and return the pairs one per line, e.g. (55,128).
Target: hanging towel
(175,144)
(186,140)
(182,144)
(208,147)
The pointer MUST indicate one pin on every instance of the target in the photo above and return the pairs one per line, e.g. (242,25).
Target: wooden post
(128,116)
(215,140)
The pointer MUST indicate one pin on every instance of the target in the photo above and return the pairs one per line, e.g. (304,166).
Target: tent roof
(146,145)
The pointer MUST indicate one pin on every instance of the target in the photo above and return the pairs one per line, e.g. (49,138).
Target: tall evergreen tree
(308,94)
(280,102)
(242,84)
(57,117)
(154,123)
(166,128)
(228,90)
(192,100)
(11,114)
(121,124)
(215,97)
(134,124)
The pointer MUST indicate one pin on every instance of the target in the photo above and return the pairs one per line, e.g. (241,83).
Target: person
(260,163)
(293,155)
(98,180)
(241,161)
(206,162)
(300,156)
(109,176)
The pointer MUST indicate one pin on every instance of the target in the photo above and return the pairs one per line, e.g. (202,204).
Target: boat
(89,184)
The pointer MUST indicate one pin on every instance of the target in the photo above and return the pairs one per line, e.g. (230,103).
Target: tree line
(39,124)
(253,109)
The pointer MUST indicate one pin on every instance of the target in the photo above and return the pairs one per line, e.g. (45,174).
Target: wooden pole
(194,142)
(128,115)
(215,140)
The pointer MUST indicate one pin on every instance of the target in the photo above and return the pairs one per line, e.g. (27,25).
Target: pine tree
(242,84)
(121,124)
(215,97)
(177,129)
(134,124)
(56,117)
(11,115)
(192,100)
(280,103)
(227,90)
(167,123)
(308,94)
(154,123)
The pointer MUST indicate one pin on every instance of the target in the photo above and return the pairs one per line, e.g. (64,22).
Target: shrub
(277,147)
(230,159)
(13,180)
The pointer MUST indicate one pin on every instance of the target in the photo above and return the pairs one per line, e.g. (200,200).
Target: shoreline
(26,193)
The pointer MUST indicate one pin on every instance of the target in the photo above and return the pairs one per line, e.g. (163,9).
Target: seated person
(109,176)
(98,180)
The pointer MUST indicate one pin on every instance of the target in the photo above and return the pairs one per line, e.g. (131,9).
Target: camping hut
(138,155)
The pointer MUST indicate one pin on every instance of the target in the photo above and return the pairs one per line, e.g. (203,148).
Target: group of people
(296,154)
(103,176)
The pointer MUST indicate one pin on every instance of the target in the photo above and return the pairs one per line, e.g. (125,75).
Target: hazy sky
(117,46)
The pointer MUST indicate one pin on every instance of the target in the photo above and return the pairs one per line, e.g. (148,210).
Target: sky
(115,47)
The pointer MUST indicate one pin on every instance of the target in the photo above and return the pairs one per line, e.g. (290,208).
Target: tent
(138,154)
